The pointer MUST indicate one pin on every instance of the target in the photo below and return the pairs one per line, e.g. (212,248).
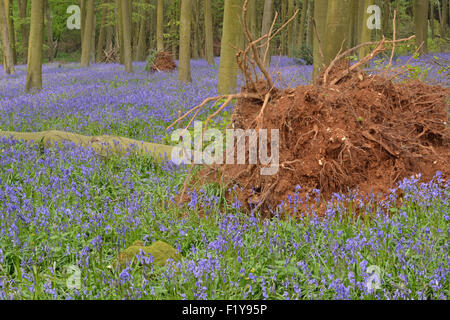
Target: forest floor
(65,210)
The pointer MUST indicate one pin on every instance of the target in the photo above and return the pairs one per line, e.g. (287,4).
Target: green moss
(160,250)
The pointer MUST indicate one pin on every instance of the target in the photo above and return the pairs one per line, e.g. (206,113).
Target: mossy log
(104,145)
(159,250)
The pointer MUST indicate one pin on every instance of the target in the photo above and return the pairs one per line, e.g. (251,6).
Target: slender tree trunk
(140,51)
(12,33)
(228,68)
(366,33)
(34,66)
(386,18)
(195,39)
(310,34)
(301,33)
(209,42)
(184,68)
(251,16)
(120,29)
(283,34)
(320,16)
(265,27)
(126,17)
(83,20)
(444,21)
(92,53)
(290,29)
(24,27)
(102,35)
(159,26)
(50,42)
(87,36)
(431,18)
(421,25)
(8,55)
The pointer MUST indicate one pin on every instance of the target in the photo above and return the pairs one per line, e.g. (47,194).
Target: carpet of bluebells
(65,208)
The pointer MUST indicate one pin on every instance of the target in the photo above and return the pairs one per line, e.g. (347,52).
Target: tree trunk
(12,33)
(126,22)
(94,24)
(228,68)
(120,29)
(366,33)
(301,33)
(34,66)
(24,27)
(195,40)
(159,26)
(184,68)
(421,24)
(445,12)
(431,18)
(290,29)
(87,36)
(83,20)
(102,35)
(8,55)
(140,51)
(209,40)
(338,33)
(251,16)
(265,27)
(320,16)
(310,33)
(50,42)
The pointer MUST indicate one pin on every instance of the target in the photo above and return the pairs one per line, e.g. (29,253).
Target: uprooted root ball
(365,132)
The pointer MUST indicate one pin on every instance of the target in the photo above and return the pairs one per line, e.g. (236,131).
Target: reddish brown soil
(365,132)
(163,62)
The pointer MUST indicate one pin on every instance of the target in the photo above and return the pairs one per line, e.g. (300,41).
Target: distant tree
(8,54)
(87,36)
(102,33)
(290,29)
(184,68)
(126,23)
(421,24)
(35,44)
(140,50)
(12,34)
(301,32)
(209,36)
(365,32)
(232,30)
(265,27)
(50,42)
(159,26)
(24,26)
(320,17)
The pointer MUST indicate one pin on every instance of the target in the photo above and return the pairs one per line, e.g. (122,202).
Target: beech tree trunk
(87,36)
(231,33)
(126,22)
(24,27)
(320,16)
(8,55)
(184,67)
(209,41)
(265,27)
(159,26)
(34,66)
(421,24)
